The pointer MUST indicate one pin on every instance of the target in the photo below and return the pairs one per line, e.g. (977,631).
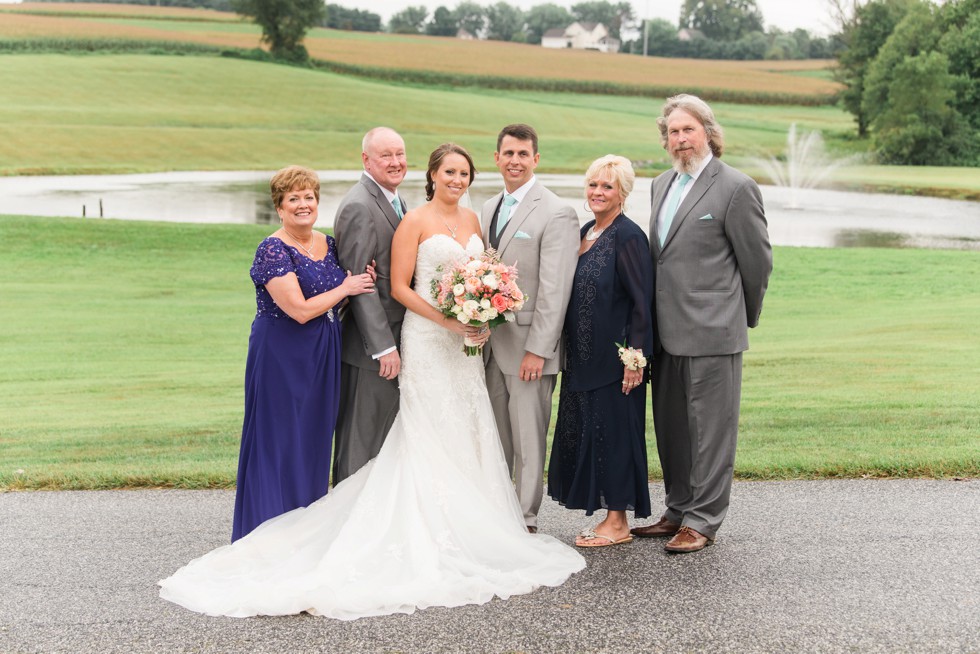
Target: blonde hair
(698,108)
(292,178)
(619,170)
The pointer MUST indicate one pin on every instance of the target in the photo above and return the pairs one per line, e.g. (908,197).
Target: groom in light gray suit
(712,261)
(365,224)
(534,230)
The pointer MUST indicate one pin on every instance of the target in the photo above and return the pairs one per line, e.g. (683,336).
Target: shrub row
(107,46)
(111,16)
(399,75)
(571,85)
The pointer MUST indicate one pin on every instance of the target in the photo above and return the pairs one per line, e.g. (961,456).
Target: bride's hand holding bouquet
(479,293)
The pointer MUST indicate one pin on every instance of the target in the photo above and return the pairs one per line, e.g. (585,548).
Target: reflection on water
(826,219)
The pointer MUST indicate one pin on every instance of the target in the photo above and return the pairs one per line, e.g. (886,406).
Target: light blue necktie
(675,199)
(398,208)
(504,215)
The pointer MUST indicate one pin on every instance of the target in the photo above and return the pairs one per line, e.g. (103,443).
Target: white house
(582,36)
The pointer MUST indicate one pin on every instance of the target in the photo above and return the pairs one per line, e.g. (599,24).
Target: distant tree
(726,20)
(358,20)
(284,23)
(410,20)
(471,17)
(918,125)
(504,22)
(661,37)
(910,97)
(784,46)
(613,16)
(753,45)
(862,33)
(541,18)
(443,23)
(960,24)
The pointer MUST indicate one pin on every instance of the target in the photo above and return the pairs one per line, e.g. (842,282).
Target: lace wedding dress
(432,521)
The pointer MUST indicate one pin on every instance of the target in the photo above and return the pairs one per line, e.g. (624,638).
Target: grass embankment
(124,349)
(125,113)
(136,113)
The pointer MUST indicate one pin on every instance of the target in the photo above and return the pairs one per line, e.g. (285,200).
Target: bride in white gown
(433,520)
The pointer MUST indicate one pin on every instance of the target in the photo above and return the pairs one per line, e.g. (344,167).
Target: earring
(588,209)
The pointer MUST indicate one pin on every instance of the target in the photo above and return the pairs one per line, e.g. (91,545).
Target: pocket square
(707,216)
(522,235)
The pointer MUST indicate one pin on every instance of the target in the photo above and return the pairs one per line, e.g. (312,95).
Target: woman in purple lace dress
(292,374)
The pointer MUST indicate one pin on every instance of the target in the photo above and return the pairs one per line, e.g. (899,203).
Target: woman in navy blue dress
(292,374)
(598,457)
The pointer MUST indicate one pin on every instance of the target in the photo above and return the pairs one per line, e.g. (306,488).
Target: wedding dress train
(432,521)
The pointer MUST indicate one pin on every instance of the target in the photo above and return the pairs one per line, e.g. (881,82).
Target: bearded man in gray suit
(365,224)
(712,261)
(530,228)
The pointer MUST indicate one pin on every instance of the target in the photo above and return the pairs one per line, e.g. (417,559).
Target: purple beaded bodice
(274,258)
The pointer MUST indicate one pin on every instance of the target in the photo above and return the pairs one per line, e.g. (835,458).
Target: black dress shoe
(531,529)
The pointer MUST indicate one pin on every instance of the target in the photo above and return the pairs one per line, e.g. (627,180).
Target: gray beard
(691,165)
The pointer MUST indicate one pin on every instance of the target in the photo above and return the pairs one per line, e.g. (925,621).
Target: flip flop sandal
(590,534)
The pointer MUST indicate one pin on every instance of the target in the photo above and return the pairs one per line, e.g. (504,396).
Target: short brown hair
(521,132)
(293,178)
(435,160)
(698,108)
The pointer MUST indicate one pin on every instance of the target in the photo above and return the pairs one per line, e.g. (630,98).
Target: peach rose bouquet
(480,292)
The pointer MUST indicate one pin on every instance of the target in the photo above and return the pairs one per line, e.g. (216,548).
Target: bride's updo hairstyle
(435,160)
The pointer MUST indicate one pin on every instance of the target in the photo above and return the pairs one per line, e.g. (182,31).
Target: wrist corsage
(631,357)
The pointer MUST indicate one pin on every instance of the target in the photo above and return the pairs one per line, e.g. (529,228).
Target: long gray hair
(698,108)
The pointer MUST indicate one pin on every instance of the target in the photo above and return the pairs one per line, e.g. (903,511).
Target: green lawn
(124,348)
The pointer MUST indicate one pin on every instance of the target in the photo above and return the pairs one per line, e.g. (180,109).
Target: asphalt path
(802,566)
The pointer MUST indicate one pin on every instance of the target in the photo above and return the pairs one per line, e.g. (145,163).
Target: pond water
(826,219)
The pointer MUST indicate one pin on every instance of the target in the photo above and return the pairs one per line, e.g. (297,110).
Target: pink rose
(500,303)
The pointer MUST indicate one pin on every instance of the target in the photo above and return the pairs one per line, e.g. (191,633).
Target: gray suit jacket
(364,227)
(713,269)
(541,239)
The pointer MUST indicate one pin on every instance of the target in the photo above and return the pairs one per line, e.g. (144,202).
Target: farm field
(418,53)
(128,372)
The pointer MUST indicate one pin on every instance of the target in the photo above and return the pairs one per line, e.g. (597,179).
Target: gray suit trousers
(368,406)
(695,413)
(522,410)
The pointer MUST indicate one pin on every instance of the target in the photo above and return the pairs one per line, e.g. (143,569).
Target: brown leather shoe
(663,527)
(687,540)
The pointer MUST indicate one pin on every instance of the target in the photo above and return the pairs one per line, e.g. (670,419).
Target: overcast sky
(811,15)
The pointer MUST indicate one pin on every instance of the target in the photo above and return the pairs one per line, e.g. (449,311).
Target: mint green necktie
(675,199)
(504,215)
(398,208)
